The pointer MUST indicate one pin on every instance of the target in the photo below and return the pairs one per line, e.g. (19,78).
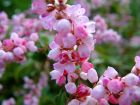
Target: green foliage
(14,6)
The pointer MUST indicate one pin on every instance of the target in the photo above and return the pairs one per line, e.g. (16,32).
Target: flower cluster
(4,22)
(15,48)
(32,98)
(71,49)
(103,34)
(10,101)
(25,26)
(73,42)
(111,88)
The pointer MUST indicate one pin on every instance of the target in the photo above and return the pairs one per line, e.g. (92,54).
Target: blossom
(70,88)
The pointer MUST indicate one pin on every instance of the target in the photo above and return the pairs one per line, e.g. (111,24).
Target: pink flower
(39,6)
(81,32)
(8,44)
(70,87)
(100,23)
(10,101)
(75,11)
(49,21)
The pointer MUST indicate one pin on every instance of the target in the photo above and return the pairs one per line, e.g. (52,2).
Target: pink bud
(92,75)
(69,41)
(34,37)
(31,46)
(18,51)
(55,74)
(70,87)
(110,73)
(130,79)
(63,26)
(9,56)
(14,36)
(98,92)
(83,75)
(74,102)
(2,54)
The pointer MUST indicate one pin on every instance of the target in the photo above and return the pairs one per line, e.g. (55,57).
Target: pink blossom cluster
(84,5)
(4,22)
(111,88)
(103,34)
(71,49)
(73,42)
(25,26)
(15,48)
(10,101)
(32,98)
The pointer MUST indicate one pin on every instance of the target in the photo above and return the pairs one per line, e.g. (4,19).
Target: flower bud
(92,75)
(83,75)
(130,79)
(34,37)
(70,88)
(63,26)
(98,92)
(18,51)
